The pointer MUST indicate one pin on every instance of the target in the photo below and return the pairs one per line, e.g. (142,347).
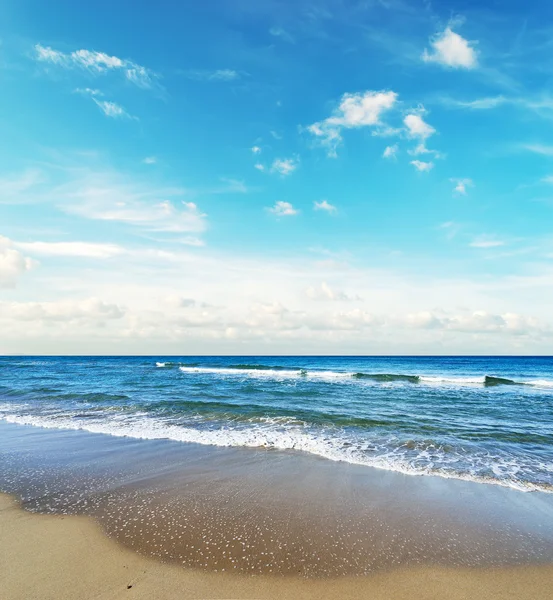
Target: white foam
(161,364)
(541,383)
(291,435)
(452,380)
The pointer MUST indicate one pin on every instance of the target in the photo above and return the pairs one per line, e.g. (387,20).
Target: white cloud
(390,151)
(324,205)
(111,196)
(485,241)
(417,127)
(98,63)
(150,160)
(112,109)
(282,34)
(451,50)
(75,249)
(256,149)
(90,309)
(461,185)
(259,167)
(325,292)
(422,166)
(283,209)
(284,166)
(12,263)
(14,188)
(355,110)
(478,104)
(539,149)
(215,75)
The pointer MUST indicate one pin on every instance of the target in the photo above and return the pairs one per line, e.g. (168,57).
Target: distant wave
(279,372)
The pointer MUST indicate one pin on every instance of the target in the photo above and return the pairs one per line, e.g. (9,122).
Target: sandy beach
(59,557)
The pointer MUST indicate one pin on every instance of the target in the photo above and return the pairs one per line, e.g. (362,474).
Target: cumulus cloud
(283,209)
(417,127)
(461,185)
(259,167)
(325,206)
(256,149)
(284,166)
(451,50)
(12,263)
(390,151)
(363,109)
(97,63)
(422,166)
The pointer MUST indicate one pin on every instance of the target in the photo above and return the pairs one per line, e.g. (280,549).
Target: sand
(65,557)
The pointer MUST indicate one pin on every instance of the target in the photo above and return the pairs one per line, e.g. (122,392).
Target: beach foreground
(62,557)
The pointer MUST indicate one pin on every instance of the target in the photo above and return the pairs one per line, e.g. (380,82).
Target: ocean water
(484,419)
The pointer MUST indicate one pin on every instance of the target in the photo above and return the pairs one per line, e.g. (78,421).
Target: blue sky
(269,177)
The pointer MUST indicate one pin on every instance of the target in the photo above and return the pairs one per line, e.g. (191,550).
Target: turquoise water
(486,419)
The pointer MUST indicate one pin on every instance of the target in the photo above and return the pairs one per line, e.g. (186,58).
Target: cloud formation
(325,206)
(422,166)
(284,166)
(283,209)
(12,263)
(363,109)
(451,50)
(97,63)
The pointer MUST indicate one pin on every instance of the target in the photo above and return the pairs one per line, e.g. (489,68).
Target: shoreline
(63,557)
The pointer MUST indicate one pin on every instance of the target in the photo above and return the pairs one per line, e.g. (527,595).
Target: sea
(483,419)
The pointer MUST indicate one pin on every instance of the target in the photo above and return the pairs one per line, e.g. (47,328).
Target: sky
(276,177)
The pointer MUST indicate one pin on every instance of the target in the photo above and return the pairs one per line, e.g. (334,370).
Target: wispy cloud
(326,293)
(542,149)
(422,166)
(150,160)
(282,34)
(109,108)
(390,151)
(325,206)
(97,63)
(461,185)
(215,75)
(486,241)
(112,109)
(283,209)
(451,50)
(361,109)
(75,249)
(284,166)
(485,103)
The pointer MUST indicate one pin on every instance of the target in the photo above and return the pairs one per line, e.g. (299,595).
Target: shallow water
(485,419)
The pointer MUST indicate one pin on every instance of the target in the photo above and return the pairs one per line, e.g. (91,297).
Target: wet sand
(184,520)
(52,557)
